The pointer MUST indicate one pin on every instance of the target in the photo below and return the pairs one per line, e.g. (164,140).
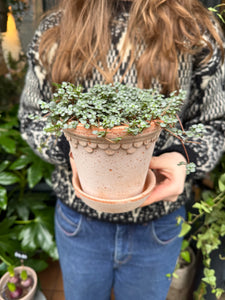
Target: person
(163,44)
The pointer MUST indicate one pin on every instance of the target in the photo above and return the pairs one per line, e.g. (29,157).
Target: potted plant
(184,274)
(205,227)
(111,122)
(204,230)
(18,283)
(26,201)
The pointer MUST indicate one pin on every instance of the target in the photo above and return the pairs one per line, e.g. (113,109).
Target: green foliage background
(26,198)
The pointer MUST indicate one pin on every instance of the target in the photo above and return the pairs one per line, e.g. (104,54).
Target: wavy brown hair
(167,27)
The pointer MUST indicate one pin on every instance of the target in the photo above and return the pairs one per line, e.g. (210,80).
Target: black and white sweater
(205,103)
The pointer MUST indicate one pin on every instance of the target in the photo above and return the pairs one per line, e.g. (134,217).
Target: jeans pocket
(165,229)
(68,220)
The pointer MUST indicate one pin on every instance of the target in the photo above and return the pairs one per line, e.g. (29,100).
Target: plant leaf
(186,256)
(184,244)
(4,165)
(8,240)
(8,144)
(40,233)
(221,183)
(185,228)
(3,198)
(34,175)
(7,178)
(37,264)
(20,163)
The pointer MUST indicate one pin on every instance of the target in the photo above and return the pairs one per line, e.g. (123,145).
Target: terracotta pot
(30,272)
(112,170)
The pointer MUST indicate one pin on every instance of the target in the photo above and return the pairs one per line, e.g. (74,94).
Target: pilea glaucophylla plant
(110,105)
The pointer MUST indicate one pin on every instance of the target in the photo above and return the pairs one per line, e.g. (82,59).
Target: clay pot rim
(148,187)
(115,132)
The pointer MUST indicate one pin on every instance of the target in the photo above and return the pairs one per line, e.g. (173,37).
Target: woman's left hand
(170,177)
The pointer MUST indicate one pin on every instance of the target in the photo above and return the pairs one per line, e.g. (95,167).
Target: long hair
(166,27)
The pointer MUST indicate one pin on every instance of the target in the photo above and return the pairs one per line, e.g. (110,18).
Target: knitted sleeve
(206,105)
(55,150)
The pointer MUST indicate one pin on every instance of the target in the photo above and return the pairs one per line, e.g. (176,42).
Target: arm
(37,87)
(49,148)
(206,104)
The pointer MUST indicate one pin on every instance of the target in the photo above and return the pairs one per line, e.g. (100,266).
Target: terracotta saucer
(112,205)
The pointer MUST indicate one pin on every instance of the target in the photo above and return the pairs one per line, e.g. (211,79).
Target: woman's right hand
(170,177)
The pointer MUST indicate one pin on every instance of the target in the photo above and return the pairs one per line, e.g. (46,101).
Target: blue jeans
(132,259)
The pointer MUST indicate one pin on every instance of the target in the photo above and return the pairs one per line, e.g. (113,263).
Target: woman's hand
(170,177)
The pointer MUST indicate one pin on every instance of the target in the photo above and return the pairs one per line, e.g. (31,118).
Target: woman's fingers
(170,177)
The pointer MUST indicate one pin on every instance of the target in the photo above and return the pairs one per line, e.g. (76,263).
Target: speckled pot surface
(112,170)
(116,206)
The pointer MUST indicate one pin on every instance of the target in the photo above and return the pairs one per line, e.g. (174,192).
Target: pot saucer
(116,206)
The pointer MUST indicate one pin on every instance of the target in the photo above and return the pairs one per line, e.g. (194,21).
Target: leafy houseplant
(120,116)
(205,227)
(202,233)
(26,199)
(183,276)
(107,106)
(26,206)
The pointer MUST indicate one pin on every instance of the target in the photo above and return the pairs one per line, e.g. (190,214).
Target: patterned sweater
(205,103)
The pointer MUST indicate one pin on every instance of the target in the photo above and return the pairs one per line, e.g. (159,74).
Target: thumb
(159,192)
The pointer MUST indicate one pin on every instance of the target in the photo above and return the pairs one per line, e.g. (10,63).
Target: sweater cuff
(179,148)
